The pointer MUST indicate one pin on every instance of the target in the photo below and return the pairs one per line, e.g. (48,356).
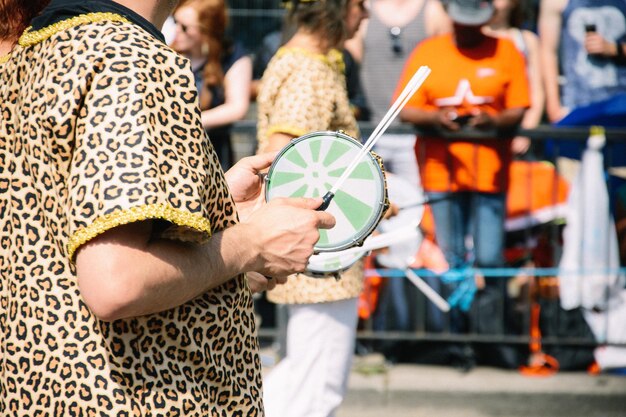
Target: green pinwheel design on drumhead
(309,166)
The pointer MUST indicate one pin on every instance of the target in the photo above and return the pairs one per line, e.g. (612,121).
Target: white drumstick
(427,290)
(413,85)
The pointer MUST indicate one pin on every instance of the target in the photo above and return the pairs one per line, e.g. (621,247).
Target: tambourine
(309,166)
(342,171)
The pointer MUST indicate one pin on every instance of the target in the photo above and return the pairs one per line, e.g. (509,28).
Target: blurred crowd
(498,66)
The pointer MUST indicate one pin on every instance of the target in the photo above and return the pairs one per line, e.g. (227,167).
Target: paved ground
(377,389)
(418,390)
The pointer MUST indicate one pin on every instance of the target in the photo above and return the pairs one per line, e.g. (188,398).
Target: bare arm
(534,114)
(125,273)
(277,141)
(436,18)
(442,118)
(237,85)
(122,273)
(550,22)
(507,118)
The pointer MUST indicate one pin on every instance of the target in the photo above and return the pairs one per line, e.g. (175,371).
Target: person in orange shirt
(480,82)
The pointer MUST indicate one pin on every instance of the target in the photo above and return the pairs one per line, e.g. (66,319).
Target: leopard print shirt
(303,92)
(101,127)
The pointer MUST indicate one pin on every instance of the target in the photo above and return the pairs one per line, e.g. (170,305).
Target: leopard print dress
(304,92)
(100,127)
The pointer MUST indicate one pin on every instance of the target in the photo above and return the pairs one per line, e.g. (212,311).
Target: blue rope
(463,295)
(491,272)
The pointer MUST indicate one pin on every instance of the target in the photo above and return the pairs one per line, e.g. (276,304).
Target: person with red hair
(15,15)
(222,69)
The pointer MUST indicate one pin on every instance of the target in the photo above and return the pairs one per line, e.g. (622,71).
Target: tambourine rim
(372,223)
(326,273)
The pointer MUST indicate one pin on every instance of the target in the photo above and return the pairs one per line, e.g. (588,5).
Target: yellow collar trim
(5,58)
(29,38)
(134,214)
(287,129)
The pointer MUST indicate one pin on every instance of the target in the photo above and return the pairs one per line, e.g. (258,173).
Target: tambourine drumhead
(310,165)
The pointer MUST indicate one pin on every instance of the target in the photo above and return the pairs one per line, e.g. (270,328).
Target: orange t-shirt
(491,78)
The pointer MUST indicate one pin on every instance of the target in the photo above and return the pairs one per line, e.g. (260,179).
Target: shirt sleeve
(140,152)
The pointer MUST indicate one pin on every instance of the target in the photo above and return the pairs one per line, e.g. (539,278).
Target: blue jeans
(479,215)
(458,215)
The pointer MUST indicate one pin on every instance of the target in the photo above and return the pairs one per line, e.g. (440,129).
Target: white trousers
(311,380)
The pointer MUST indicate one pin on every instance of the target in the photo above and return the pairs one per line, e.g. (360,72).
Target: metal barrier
(540,287)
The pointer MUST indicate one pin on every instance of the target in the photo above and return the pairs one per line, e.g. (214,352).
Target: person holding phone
(597,45)
(478,81)
(586,39)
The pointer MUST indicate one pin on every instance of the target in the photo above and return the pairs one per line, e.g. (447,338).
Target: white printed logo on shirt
(462,94)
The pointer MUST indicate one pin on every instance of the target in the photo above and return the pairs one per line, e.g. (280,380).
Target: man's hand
(556,112)
(445,118)
(520,145)
(259,282)
(245,182)
(481,120)
(283,233)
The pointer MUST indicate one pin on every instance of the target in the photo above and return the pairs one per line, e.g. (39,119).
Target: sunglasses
(183,27)
(396,42)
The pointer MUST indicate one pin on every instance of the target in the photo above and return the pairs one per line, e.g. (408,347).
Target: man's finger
(281,279)
(325,220)
(301,202)
(261,161)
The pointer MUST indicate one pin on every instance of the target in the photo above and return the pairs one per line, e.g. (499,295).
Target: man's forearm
(509,118)
(125,272)
(136,278)
(420,118)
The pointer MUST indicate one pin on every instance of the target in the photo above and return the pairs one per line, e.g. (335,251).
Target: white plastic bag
(589,268)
